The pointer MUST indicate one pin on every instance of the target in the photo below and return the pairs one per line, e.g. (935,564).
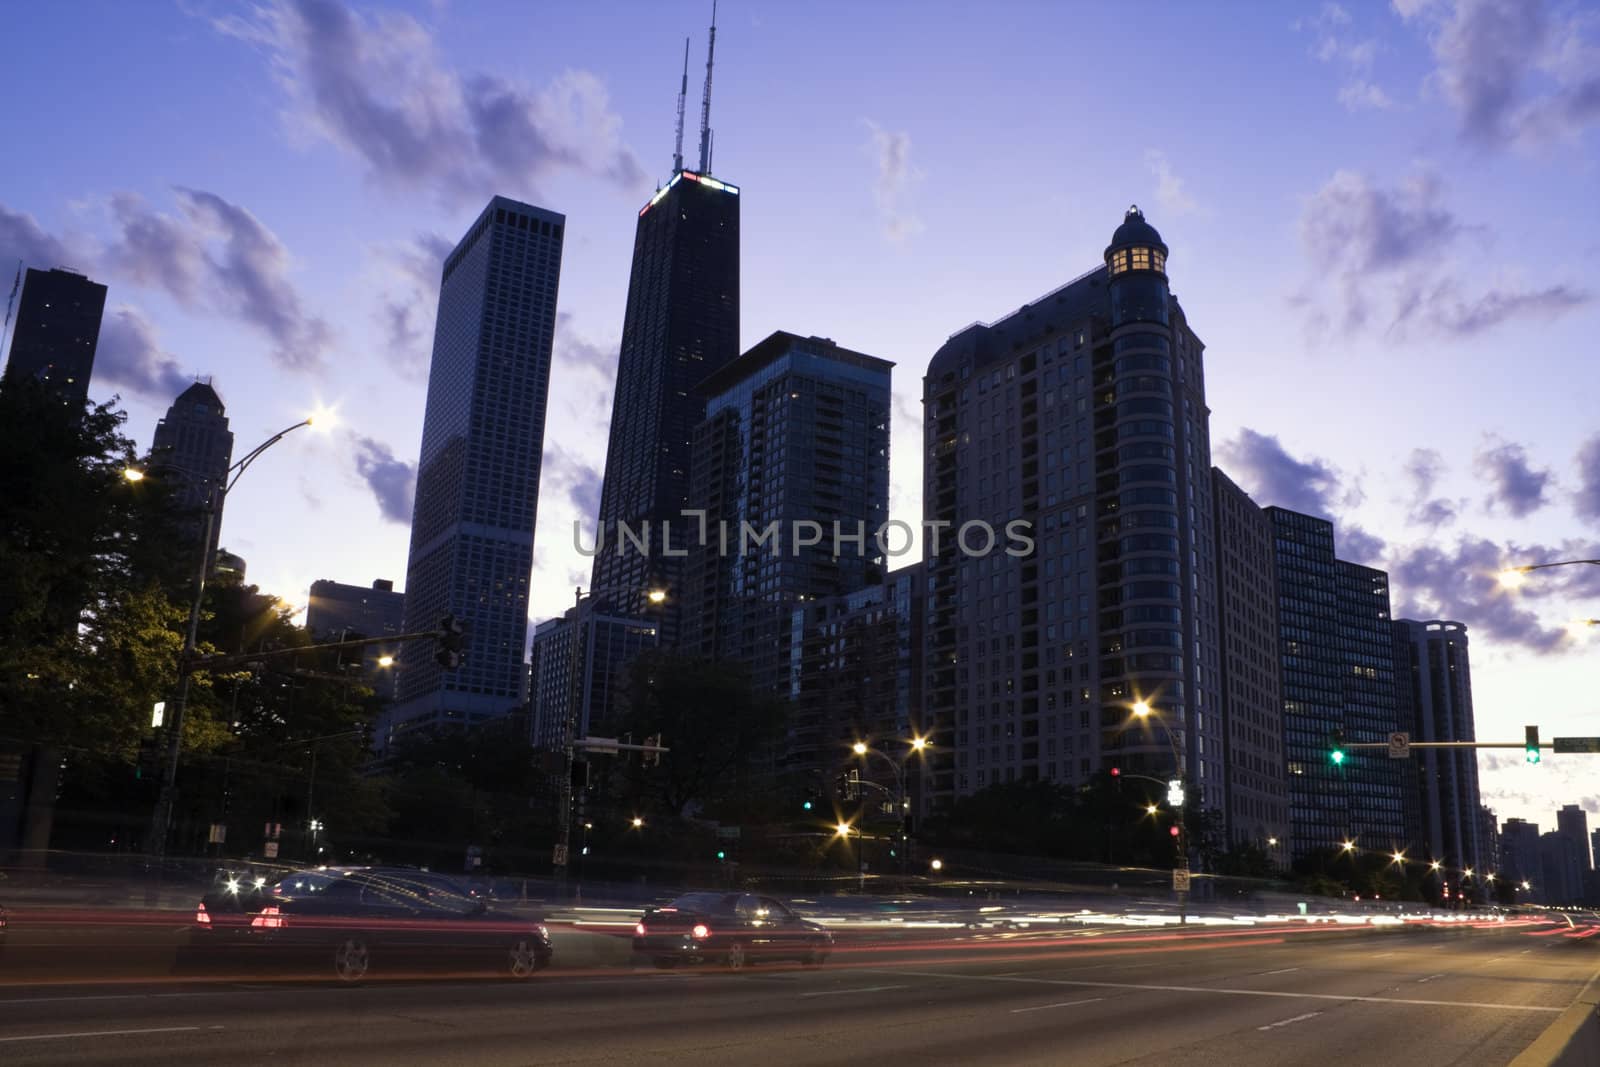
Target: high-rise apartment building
(194,440)
(1519,852)
(1572,822)
(1561,864)
(1434,686)
(478,473)
(794,446)
(340,612)
(1257,793)
(1082,415)
(56,331)
(1337,671)
(606,646)
(681,324)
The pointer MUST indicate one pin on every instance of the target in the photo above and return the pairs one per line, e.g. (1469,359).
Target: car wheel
(814,957)
(352,960)
(521,959)
(735,959)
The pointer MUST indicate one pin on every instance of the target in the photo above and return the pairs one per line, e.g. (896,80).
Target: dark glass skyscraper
(57,329)
(796,431)
(1434,684)
(680,326)
(194,438)
(478,474)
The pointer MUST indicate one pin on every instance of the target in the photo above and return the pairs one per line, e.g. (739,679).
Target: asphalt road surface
(1263,996)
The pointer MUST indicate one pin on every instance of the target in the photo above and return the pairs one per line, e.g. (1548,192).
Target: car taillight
(271,918)
(700,931)
(200,915)
(638,928)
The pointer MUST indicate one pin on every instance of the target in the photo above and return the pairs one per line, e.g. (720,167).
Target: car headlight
(539,928)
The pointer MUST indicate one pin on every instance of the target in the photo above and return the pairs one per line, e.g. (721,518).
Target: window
(1141,259)
(1119,262)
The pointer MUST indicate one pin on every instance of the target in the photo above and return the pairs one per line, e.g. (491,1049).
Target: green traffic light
(1337,756)
(1532,755)
(721,855)
(806,805)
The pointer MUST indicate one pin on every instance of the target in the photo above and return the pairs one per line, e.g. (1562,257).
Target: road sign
(1577,744)
(1180,879)
(728,831)
(271,850)
(218,834)
(1399,745)
(558,856)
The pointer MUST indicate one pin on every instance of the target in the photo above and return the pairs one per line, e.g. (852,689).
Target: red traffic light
(1173,831)
(1116,772)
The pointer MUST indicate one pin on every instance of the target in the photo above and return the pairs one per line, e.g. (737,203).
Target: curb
(1573,1040)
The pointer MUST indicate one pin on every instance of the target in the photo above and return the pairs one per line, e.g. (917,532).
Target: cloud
(1352,542)
(1461,583)
(375,87)
(1170,193)
(1586,499)
(575,351)
(409,299)
(129,355)
(1361,95)
(1387,251)
(897,177)
(574,477)
(1512,480)
(217,257)
(1355,56)
(1423,469)
(1515,74)
(393,482)
(1261,465)
(22,238)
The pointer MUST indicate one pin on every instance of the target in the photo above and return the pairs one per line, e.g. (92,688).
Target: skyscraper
(681,325)
(1337,666)
(478,474)
(57,329)
(340,612)
(1257,809)
(1519,852)
(1082,414)
(1572,822)
(194,439)
(796,431)
(1434,682)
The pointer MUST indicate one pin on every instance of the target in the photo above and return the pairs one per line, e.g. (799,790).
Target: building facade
(194,440)
(1082,417)
(606,646)
(340,612)
(56,332)
(1572,822)
(1561,864)
(1434,683)
(1256,807)
(680,325)
(794,449)
(1336,648)
(1519,853)
(478,473)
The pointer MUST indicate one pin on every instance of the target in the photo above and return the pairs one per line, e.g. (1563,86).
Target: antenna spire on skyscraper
(705,100)
(683,92)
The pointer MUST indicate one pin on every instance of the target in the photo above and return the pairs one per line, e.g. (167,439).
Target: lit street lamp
(916,745)
(1514,577)
(216,492)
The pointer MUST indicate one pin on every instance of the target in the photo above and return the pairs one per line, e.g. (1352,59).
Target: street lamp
(1348,846)
(1399,858)
(217,490)
(917,745)
(638,823)
(1514,577)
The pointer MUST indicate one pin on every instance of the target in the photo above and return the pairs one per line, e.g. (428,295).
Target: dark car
(348,921)
(733,929)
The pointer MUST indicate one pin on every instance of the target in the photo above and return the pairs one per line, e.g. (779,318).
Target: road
(1256,996)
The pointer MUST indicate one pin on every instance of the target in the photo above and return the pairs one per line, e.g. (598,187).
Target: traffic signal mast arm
(239,659)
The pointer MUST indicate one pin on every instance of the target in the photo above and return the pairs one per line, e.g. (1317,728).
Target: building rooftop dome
(1135,231)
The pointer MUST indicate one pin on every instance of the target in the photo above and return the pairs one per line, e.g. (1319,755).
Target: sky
(1381,218)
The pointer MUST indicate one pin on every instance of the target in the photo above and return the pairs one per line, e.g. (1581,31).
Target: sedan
(733,929)
(348,921)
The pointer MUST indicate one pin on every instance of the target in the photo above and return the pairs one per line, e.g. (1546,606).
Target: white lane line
(864,989)
(1286,1022)
(105,1033)
(1063,1004)
(1430,978)
(106,996)
(1341,997)
(1286,970)
(1382,955)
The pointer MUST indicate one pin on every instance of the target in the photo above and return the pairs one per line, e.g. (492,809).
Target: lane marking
(111,996)
(1430,978)
(1340,997)
(105,1033)
(1062,1004)
(1286,1022)
(1382,955)
(864,989)
(1286,970)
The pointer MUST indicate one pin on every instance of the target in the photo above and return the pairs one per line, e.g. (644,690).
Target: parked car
(733,929)
(348,921)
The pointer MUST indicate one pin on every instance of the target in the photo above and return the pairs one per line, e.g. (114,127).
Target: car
(349,921)
(731,929)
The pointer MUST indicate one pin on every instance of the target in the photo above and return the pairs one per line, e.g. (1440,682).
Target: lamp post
(1144,712)
(216,492)
(1514,577)
(917,745)
(577,691)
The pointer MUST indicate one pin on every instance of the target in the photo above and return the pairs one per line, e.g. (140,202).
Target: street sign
(218,834)
(728,831)
(558,856)
(271,850)
(1399,745)
(1180,879)
(1577,744)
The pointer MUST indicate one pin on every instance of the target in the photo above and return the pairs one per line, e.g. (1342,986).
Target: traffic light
(651,759)
(149,764)
(1173,830)
(1530,748)
(1336,749)
(452,642)
(806,804)
(1175,792)
(721,855)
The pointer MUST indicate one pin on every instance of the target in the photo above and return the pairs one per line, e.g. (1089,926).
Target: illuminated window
(1141,259)
(1158,259)
(1119,262)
